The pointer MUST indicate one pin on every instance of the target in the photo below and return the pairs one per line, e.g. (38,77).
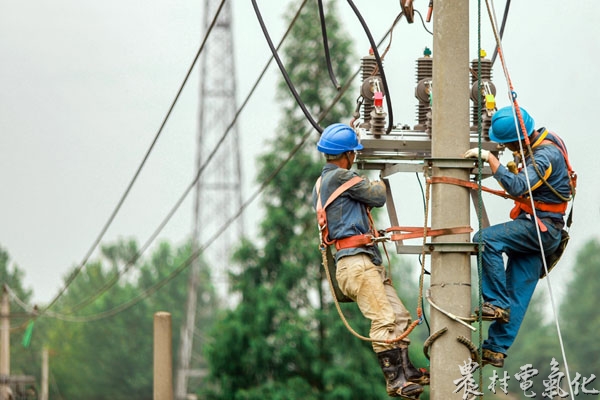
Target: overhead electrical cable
(74,274)
(151,290)
(423,23)
(379,65)
(283,70)
(502,26)
(150,240)
(326,46)
(154,288)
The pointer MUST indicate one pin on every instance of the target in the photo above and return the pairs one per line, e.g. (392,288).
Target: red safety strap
(368,238)
(322,215)
(354,241)
(521,203)
(419,232)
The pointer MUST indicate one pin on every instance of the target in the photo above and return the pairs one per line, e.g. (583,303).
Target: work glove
(474,153)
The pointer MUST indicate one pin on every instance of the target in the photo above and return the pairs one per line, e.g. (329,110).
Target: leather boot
(396,383)
(492,358)
(419,376)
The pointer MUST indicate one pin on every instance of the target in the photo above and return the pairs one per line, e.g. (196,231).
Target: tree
(538,344)
(21,356)
(285,340)
(578,312)
(111,357)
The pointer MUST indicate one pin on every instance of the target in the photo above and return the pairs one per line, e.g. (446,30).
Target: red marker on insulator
(378,99)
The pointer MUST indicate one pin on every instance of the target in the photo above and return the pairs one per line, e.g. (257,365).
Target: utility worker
(359,270)
(507,293)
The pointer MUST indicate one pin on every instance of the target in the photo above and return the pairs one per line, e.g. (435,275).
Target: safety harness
(349,242)
(524,203)
(374,236)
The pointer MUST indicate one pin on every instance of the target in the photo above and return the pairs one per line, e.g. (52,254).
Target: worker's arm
(485,156)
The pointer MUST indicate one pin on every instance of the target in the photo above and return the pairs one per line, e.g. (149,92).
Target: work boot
(395,381)
(490,312)
(493,358)
(419,376)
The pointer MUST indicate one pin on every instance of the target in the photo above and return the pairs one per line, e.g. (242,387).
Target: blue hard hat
(503,129)
(337,139)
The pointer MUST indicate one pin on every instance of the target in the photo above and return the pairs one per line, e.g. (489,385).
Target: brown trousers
(369,286)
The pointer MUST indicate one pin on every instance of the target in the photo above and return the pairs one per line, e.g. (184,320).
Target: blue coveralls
(513,288)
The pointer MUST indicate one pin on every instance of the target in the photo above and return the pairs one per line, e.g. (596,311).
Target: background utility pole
(450,271)
(218,193)
(4,343)
(44,389)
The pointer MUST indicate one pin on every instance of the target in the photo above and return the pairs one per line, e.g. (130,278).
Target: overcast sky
(84,87)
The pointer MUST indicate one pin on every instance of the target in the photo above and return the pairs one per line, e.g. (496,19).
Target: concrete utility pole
(4,344)
(218,192)
(162,357)
(44,391)
(450,271)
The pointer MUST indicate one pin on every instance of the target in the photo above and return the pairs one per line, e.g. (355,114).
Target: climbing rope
(423,251)
(519,122)
(343,318)
(479,196)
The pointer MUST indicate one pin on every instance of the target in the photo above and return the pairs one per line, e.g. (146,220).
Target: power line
(154,288)
(151,290)
(173,210)
(283,70)
(139,169)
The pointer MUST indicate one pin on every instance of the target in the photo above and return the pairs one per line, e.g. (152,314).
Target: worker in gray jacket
(359,268)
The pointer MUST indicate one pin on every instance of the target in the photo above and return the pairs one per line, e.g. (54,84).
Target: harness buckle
(386,236)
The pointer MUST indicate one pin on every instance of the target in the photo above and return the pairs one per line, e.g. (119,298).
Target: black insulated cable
(283,70)
(202,168)
(326,46)
(379,65)
(152,289)
(76,272)
(502,26)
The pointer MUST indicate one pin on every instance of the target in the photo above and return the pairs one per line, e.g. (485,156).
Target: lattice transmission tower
(218,191)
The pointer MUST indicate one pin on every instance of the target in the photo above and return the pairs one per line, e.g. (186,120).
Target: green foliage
(21,358)
(579,313)
(307,68)
(111,357)
(538,343)
(285,339)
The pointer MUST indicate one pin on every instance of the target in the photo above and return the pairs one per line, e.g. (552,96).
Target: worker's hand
(474,153)
(381,182)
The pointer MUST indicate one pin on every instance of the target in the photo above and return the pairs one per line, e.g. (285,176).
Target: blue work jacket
(552,165)
(347,215)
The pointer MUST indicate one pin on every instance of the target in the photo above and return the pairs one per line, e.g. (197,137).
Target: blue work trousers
(513,287)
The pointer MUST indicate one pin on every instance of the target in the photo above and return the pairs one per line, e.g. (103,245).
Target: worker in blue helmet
(543,174)
(504,126)
(360,273)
